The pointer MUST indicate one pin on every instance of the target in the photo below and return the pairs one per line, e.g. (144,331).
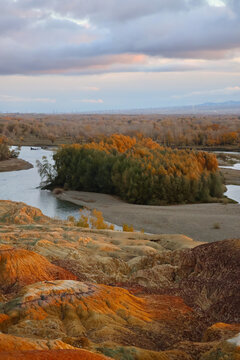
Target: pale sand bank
(14,165)
(231,176)
(198,221)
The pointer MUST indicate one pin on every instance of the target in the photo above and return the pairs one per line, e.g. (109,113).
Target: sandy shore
(231,176)
(14,165)
(202,222)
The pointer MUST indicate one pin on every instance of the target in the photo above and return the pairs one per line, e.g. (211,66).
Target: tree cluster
(138,170)
(5,152)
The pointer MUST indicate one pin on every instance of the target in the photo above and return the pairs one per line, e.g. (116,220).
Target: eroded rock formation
(115,295)
(20,267)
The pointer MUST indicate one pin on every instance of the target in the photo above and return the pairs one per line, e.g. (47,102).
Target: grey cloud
(109,10)
(39,36)
(198,34)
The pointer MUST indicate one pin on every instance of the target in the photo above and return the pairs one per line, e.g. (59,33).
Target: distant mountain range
(227,107)
(208,108)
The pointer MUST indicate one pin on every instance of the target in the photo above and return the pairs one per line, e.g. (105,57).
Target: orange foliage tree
(139,170)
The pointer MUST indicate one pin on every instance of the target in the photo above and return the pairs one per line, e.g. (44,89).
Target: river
(24,186)
(233,191)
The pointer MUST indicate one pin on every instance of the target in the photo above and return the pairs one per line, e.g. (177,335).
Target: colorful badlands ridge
(70,293)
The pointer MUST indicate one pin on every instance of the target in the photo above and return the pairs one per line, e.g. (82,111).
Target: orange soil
(22,267)
(52,355)
(12,343)
(92,298)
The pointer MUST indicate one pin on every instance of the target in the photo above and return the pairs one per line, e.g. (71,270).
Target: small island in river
(14,164)
(9,157)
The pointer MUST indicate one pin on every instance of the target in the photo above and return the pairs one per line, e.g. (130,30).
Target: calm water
(23,186)
(233,192)
(234,167)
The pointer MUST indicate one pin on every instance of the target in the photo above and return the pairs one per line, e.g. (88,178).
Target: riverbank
(231,176)
(202,222)
(14,165)
(227,162)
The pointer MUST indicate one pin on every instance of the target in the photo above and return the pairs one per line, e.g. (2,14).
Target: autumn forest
(168,130)
(138,170)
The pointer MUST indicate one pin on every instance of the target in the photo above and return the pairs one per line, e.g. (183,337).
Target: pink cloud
(93,101)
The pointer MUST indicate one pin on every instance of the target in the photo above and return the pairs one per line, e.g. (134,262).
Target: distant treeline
(138,170)
(167,130)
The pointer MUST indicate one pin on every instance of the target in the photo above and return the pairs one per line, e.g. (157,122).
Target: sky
(97,55)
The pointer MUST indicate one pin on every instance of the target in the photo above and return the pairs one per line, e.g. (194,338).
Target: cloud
(8,98)
(217,3)
(61,37)
(91,88)
(92,101)
(108,11)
